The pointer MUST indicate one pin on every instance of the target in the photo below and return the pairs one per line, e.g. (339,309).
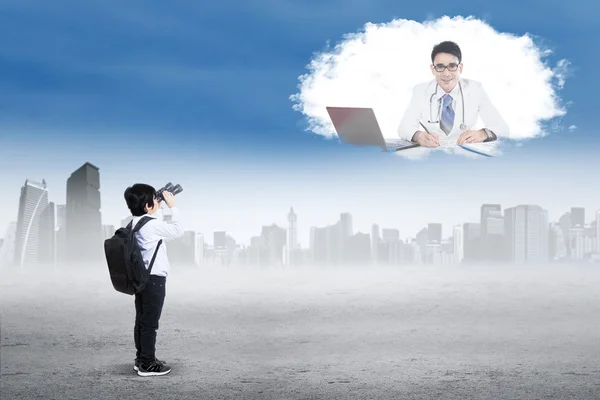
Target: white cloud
(379,66)
(572,128)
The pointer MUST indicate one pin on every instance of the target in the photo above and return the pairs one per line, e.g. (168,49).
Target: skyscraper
(486,210)
(434,233)
(527,234)
(577,217)
(7,251)
(83,216)
(598,231)
(346,225)
(47,243)
(292,237)
(32,211)
(459,250)
(471,240)
(375,243)
(390,235)
(61,232)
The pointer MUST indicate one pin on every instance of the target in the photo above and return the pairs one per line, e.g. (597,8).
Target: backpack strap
(154,256)
(138,226)
(145,219)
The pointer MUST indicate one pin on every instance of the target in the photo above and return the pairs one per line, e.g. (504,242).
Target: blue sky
(211,81)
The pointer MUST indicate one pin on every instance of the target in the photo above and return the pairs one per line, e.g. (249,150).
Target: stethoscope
(462,125)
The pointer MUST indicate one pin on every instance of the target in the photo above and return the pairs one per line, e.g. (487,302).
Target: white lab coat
(477,104)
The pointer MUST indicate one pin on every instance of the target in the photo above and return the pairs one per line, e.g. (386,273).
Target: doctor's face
(446,70)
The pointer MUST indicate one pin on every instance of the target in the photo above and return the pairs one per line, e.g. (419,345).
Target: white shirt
(476,104)
(153,231)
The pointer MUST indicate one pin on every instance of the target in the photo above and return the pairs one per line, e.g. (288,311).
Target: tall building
(47,242)
(125,221)
(556,245)
(577,217)
(486,210)
(32,215)
(375,243)
(61,232)
(527,234)
(83,216)
(459,251)
(346,225)
(108,230)
(391,235)
(292,237)
(199,250)
(220,239)
(434,233)
(274,238)
(220,247)
(565,225)
(358,249)
(182,250)
(471,241)
(7,250)
(598,231)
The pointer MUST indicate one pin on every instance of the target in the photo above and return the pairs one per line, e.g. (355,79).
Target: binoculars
(169,188)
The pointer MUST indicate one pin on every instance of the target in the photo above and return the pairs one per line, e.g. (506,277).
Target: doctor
(448,106)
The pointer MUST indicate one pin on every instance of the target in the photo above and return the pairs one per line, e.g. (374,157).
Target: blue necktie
(447,120)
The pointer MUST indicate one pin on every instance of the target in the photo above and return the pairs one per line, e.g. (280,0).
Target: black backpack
(126,266)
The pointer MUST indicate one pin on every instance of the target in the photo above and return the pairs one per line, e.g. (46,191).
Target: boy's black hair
(139,196)
(446,47)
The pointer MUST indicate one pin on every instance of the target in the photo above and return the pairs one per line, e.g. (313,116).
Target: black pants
(148,307)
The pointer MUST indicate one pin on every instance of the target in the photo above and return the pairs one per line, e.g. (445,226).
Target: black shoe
(155,368)
(136,364)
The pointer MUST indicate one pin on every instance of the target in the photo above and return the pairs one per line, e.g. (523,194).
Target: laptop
(358,126)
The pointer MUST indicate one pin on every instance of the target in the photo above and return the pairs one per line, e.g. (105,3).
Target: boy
(141,201)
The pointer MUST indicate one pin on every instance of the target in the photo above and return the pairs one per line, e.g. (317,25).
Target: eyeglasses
(441,67)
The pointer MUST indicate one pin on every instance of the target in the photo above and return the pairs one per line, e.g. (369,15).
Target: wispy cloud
(379,66)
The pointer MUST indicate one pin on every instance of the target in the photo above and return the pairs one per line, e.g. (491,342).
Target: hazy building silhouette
(326,245)
(125,221)
(182,249)
(598,231)
(486,211)
(358,249)
(346,225)
(108,231)
(422,239)
(292,255)
(199,250)
(390,235)
(47,236)
(471,241)
(32,206)
(577,217)
(527,234)
(375,241)
(556,244)
(7,250)
(274,237)
(434,233)
(83,217)
(565,225)
(61,233)
(220,247)
(458,244)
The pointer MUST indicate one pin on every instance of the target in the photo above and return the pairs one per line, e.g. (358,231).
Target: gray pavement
(404,333)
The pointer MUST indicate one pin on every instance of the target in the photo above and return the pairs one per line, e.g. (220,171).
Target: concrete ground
(404,333)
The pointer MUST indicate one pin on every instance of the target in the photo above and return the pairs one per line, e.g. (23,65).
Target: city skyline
(519,233)
(587,215)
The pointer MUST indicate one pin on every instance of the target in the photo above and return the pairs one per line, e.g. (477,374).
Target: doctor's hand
(427,140)
(472,137)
